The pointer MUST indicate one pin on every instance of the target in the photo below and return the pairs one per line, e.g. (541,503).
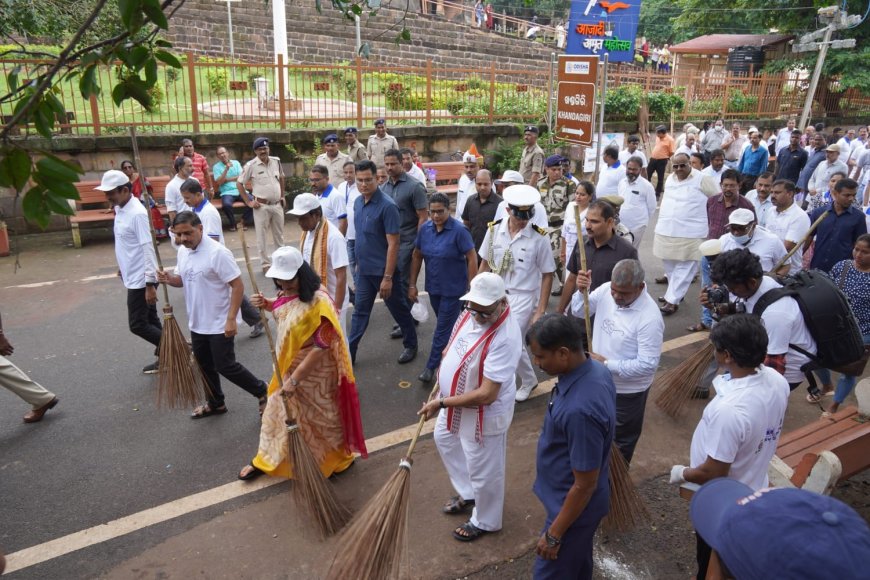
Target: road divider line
(180,507)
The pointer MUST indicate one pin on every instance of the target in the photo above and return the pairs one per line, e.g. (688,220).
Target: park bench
(92,206)
(447,176)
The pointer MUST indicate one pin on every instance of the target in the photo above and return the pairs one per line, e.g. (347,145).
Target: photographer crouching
(740,272)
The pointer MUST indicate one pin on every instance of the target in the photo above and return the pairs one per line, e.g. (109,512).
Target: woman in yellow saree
(315,375)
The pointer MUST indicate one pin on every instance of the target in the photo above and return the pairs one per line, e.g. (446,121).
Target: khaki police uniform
(265,180)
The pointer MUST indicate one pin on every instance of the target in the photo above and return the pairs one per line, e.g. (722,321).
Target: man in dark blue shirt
(836,235)
(573,459)
(410,197)
(791,159)
(376,219)
(753,162)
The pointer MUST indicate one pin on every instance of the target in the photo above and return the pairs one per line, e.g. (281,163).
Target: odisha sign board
(575,99)
(599,27)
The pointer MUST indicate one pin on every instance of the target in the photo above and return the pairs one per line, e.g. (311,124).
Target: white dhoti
(477,469)
(523,306)
(638,236)
(680,258)
(680,276)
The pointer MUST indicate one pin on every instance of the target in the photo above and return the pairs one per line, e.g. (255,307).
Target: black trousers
(658,167)
(630,409)
(250,315)
(216,354)
(142,317)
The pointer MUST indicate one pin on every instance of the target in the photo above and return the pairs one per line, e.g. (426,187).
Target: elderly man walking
(266,179)
(475,406)
(681,227)
(628,335)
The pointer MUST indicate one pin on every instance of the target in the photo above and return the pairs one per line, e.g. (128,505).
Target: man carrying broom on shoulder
(573,459)
(213,292)
(475,407)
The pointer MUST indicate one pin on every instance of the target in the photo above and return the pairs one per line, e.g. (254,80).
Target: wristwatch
(441,403)
(552,541)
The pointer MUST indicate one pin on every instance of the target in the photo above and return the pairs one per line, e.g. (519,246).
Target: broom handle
(263,319)
(148,201)
(420,424)
(581,245)
(801,243)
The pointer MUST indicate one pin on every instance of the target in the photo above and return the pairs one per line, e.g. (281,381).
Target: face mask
(742,240)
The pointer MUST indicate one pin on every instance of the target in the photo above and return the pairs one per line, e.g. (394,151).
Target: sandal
(669,309)
(816,396)
(468,532)
(206,411)
(662,280)
(254,473)
(457,505)
(698,328)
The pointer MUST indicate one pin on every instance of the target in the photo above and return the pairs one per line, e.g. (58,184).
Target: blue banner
(599,27)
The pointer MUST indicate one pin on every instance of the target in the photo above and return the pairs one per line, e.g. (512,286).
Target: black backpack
(827,314)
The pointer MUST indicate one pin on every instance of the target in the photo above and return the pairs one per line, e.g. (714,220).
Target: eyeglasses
(679,165)
(480,313)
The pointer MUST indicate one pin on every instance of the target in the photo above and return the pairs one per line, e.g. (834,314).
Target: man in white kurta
(520,253)
(475,405)
(681,227)
(627,338)
(467,185)
(639,197)
(325,250)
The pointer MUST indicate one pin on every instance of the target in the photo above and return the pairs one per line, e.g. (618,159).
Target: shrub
(622,101)
(217,79)
(158,96)
(661,104)
(345,79)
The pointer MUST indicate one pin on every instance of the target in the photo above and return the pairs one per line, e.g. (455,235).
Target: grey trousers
(14,379)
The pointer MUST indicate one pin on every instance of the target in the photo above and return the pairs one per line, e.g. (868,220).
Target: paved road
(106,452)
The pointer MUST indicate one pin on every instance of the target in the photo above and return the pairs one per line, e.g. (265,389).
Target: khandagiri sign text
(575,101)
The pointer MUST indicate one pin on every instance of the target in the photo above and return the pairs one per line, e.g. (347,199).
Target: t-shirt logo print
(461,346)
(192,275)
(610,328)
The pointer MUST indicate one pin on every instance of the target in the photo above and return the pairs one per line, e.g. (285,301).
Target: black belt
(262,201)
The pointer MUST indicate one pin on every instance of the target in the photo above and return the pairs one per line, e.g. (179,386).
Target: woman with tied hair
(314,375)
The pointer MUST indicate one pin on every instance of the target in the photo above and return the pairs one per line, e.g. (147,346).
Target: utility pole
(836,19)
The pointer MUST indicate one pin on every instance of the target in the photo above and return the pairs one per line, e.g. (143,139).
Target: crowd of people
(371,225)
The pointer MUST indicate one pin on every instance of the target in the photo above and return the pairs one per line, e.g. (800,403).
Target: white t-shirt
(211,220)
(608,180)
(864,165)
(630,339)
(769,248)
(785,325)
(134,249)
(625,155)
(710,172)
(539,219)
(742,424)
(206,273)
(569,227)
(417,174)
(462,196)
(333,205)
(783,138)
(174,201)
(350,193)
(499,366)
(336,255)
(640,202)
(685,150)
(790,225)
(761,207)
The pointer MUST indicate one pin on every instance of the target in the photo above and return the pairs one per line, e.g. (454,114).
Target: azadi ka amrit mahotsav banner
(600,27)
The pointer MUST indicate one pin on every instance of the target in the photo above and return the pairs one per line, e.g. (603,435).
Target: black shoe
(152,369)
(407,355)
(396,333)
(427,376)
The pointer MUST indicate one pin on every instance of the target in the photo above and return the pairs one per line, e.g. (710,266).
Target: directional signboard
(575,102)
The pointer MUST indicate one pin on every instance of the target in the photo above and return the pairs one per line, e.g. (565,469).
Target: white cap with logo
(511,176)
(113,179)
(286,262)
(304,203)
(486,289)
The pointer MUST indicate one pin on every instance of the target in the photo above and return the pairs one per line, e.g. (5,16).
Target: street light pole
(230,32)
(814,82)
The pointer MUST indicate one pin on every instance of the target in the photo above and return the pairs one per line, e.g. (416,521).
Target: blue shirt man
(836,235)
(791,160)
(816,154)
(754,160)
(376,219)
(573,458)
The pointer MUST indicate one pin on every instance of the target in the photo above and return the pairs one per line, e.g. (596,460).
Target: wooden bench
(447,176)
(93,207)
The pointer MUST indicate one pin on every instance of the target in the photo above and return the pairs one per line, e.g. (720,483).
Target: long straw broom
(626,506)
(181,382)
(374,543)
(311,491)
(678,384)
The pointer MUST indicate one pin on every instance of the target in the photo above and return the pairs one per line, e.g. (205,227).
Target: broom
(181,382)
(374,543)
(626,506)
(800,244)
(679,382)
(311,491)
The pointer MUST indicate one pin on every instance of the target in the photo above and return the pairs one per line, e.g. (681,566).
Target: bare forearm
(312,361)
(486,394)
(546,286)
(416,264)
(340,286)
(238,291)
(392,257)
(575,502)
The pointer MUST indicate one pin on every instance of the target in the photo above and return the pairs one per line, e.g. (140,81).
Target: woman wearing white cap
(314,374)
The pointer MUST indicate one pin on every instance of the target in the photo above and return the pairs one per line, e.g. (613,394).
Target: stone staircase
(328,38)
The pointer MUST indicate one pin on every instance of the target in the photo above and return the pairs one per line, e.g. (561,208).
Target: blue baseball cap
(781,533)
(331,138)
(260,142)
(553,161)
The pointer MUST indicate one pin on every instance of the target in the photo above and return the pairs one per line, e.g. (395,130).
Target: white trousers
(14,379)
(523,306)
(476,470)
(638,236)
(680,276)
(269,219)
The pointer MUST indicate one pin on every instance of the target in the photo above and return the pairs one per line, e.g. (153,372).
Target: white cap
(304,203)
(286,261)
(113,179)
(833,147)
(469,158)
(711,247)
(511,176)
(521,195)
(486,289)
(741,217)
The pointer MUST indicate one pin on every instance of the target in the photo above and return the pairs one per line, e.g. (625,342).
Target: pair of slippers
(467,532)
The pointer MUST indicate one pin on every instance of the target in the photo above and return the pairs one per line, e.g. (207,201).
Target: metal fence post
(191,79)
(428,91)
(359,92)
(491,91)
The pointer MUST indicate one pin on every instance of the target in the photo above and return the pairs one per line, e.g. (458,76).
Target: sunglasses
(480,313)
(679,165)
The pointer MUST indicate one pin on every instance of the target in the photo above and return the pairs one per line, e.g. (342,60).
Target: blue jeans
(366,292)
(447,309)
(845,384)
(706,280)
